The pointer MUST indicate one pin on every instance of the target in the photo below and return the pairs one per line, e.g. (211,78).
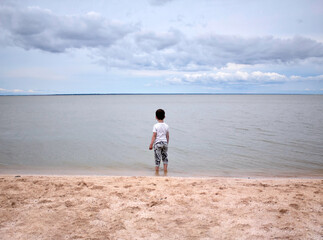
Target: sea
(246,136)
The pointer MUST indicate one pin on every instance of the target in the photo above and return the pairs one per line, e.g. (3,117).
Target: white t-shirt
(161,129)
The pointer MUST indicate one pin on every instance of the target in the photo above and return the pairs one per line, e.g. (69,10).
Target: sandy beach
(99,207)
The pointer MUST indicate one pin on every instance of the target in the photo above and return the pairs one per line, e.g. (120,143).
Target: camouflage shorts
(160,150)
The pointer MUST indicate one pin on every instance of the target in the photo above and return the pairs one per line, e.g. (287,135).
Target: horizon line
(75,94)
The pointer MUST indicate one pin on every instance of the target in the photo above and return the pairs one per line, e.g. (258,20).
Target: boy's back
(161,130)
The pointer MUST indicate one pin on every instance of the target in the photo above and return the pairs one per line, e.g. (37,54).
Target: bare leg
(165,168)
(157,170)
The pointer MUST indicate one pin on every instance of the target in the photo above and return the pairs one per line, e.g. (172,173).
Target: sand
(71,207)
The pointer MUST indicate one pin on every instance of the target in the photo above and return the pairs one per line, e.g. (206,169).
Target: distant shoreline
(149,94)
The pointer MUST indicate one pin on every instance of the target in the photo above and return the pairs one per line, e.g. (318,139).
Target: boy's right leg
(158,156)
(165,156)
(165,167)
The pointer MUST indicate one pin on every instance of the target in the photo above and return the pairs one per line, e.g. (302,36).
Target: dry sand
(70,207)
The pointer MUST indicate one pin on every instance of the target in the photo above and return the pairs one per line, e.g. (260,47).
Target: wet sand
(79,207)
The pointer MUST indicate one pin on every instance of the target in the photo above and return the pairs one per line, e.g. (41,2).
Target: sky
(161,46)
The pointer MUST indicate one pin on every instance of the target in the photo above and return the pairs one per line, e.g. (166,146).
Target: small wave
(234,145)
(274,142)
(262,130)
(4,164)
(242,129)
(268,134)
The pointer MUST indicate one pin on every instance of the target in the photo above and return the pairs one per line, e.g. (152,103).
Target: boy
(160,140)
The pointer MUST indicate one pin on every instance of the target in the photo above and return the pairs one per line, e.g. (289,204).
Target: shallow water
(210,135)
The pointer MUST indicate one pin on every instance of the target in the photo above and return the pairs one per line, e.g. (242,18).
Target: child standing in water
(160,140)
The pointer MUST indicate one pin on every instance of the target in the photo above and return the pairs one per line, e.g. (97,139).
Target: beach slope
(71,207)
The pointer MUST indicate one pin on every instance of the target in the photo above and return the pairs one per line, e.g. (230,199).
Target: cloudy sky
(161,46)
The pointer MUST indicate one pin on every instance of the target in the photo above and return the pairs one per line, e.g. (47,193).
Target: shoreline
(150,207)
(304,177)
(41,171)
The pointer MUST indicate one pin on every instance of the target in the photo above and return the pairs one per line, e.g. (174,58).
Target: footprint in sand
(267,227)
(68,204)
(118,194)
(294,205)
(283,211)
(299,196)
(242,226)
(45,201)
(153,203)
(82,184)
(132,209)
(245,201)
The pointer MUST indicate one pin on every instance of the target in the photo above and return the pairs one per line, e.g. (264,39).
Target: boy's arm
(167,137)
(152,140)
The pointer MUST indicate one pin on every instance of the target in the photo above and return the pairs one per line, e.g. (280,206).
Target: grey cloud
(150,41)
(174,51)
(143,50)
(122,45)
(25,22)
(41,29)
(159,2)
(218,50)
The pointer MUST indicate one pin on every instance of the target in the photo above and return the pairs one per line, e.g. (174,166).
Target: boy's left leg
(165,167)
(165,156)
(158,156)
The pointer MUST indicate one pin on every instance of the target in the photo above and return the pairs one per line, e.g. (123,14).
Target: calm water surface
(210,135)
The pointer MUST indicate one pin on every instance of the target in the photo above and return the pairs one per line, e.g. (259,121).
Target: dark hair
(160,114)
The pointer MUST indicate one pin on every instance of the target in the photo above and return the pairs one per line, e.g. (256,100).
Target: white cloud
(234,66)
(312,78)
(237,77)
(268,76)
(16,91)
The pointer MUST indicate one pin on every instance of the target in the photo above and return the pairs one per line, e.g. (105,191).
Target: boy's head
(160,114)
